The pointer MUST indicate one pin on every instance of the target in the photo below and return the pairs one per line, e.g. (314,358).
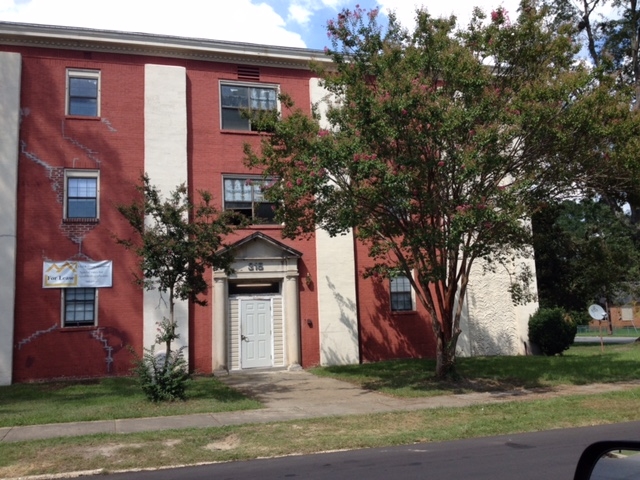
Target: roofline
(135,43)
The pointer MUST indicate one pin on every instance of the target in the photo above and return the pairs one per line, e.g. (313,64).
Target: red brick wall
(385,334)
(214,153)
(52,142)
(114,144)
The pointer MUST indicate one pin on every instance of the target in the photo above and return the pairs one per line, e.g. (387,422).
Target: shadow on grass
(582,364)
(108,399)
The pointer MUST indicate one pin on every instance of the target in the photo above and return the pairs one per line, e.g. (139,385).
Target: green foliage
(109,398)
(163,377)
(438,144)
(552,330)
(613,45)
(584,252)
(176,241)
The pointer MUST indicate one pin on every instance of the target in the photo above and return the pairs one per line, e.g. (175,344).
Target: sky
(292,23)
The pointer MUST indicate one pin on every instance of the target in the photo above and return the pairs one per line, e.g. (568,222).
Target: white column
(165,161)
(336,282)
(219,330)
(10,77)
(292,318)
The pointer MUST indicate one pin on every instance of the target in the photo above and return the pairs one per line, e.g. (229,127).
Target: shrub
(163,376)
(552,330)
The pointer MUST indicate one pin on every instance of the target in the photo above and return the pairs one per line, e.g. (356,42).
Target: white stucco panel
(337,312)
(492,324)
(10,77)
(165,161)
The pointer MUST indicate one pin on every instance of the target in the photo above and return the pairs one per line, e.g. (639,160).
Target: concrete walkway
(293,395)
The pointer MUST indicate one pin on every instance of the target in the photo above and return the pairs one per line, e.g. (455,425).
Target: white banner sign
(68,274)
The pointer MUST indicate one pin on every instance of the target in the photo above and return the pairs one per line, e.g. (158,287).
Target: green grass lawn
(581,364)
(111,398)
(107,399)
(121,398)
(617,332)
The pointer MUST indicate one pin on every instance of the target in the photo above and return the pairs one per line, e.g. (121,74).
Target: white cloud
(299,14)
(240,20)
(253,21)
(301,11)
(335,4)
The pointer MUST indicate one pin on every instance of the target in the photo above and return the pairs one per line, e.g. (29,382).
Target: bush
(160,380)
(163,376)
(552,330)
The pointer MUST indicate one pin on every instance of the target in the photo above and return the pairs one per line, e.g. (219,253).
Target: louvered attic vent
(248,73)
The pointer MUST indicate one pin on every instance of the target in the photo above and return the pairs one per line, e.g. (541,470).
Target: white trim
(63,292)
(411,291)
(84,39)
(82,73)
(71,173)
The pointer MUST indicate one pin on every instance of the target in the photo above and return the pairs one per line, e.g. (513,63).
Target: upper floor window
(80,306)
(401,297)
(83,93)
(81,194)
(245,195)
(239,98)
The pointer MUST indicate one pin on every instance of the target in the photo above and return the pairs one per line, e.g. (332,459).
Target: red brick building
(84,114)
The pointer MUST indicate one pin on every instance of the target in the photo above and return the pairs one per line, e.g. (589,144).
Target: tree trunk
(170,333)
(445,358)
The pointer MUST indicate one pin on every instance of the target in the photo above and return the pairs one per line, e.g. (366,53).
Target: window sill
(264,226)
(82,117)
(404,312)
(79,328)
(245,132)
(81,220)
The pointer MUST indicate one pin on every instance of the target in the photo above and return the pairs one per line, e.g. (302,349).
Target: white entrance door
(255,333)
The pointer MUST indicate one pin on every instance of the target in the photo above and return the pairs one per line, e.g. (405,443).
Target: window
(79,306)
(401,299)
(81,194)
(236,98)
(83,93)
(245,195)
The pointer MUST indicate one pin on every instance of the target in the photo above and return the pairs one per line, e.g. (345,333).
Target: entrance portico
(256,308)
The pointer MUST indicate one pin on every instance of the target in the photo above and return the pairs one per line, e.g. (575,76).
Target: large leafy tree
(440,143)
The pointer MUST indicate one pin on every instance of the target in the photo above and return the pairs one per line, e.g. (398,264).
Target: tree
(439,145)
(613,44)
(584,252)
(176,241)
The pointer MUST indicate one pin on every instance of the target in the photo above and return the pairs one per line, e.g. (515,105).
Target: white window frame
(80,73)
(223,83)
(410,291)
(254,219)
(63,297)
(68,174)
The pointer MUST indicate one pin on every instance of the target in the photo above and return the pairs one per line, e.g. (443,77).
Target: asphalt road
(541,455)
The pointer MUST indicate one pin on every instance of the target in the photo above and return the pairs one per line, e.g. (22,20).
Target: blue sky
(295,23)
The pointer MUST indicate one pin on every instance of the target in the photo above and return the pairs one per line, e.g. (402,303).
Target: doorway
(256,333)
